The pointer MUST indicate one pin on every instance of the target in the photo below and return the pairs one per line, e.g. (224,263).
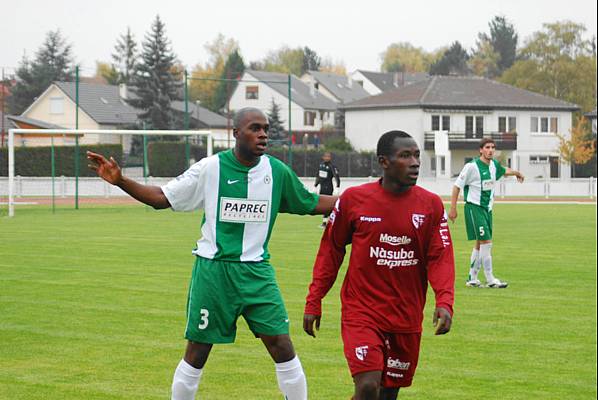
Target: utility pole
(2,110)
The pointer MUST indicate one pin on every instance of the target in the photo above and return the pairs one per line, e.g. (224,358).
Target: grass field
(92,306)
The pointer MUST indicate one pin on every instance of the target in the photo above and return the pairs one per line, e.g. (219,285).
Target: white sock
(291,379)
(185,381)
(474,264)
(486,258)
(324,220)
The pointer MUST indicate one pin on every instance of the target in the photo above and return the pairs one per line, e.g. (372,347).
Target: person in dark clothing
(326,172)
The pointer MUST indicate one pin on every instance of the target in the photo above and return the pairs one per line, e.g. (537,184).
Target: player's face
(326,157)
(487,152)
(403,166)
(252,135)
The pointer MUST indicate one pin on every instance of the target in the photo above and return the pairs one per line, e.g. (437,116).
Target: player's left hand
(520,178)
(308,323)
(442,321)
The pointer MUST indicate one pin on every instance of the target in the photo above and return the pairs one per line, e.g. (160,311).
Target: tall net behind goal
(48,168)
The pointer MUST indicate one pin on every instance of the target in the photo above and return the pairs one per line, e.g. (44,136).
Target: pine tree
(504,41)
(233,69)
(153,83)
(453,62)
(53,62)
(276,131)
(311,60)
(125,56)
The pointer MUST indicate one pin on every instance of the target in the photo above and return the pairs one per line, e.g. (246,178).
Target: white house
(447,116)
(310,109)
(338,88)
(378,82)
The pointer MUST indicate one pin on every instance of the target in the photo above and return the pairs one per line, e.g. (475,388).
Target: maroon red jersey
(399,243)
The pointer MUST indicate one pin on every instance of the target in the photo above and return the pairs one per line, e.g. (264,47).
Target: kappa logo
(418,220)
(361,352)
(370,219)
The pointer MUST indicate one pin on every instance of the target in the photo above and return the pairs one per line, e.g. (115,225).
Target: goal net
(48,167)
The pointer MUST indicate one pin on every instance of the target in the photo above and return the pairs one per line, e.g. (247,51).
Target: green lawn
(92,306)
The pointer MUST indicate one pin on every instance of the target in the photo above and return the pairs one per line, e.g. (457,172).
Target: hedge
(36,161)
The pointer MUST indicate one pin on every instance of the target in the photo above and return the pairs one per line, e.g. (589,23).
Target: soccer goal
(49,166)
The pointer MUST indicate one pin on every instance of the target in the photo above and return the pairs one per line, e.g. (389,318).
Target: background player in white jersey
(241,191)
(478,180)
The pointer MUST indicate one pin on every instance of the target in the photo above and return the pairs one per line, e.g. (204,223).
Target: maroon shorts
(368,348)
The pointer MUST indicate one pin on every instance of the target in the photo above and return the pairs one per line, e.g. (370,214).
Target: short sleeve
(463,178)
(296,199)
(500,170)
(186,191)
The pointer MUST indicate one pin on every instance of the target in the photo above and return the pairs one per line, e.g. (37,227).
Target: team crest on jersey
(418,220)
(240,211)
(361,352)
(267,179)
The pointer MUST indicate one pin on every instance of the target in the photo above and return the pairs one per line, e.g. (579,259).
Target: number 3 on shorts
(203,324)
(482,232)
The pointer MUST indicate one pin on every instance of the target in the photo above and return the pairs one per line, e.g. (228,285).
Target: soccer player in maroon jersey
(400,242)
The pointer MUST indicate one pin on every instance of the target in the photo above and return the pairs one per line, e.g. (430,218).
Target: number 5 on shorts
(482,232)
(203,324)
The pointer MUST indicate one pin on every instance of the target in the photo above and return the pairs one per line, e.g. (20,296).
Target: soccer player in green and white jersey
(477,180)
(241,191)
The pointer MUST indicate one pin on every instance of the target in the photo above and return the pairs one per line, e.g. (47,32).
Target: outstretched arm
(325,204)
(512,172)
(109,171)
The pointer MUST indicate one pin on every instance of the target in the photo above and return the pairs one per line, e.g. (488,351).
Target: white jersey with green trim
(478,182)
(240,203)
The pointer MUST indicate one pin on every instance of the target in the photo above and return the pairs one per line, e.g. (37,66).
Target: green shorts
(221,291)
(478,222)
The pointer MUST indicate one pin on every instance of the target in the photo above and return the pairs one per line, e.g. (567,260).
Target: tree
(333,67)
(453,62)
(503,39)
(125,56)
(233,69)
(277,131)
(579,148)
(107,72)
(153,82)
(53,62)
(404,57)
(285,60)
(205,90)
(484,60)
(311,60)
(557,62)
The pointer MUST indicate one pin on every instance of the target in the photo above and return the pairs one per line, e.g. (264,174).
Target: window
(538,159)
(468,126)
(534,124)
(554,125)
(446,122)
(507,124)
(309,117)
(479,126)
(252,92)
(433,164)
(56,105)
(543,124)
(360,83)
(435,122)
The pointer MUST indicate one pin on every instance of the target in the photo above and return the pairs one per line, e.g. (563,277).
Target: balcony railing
(471,140)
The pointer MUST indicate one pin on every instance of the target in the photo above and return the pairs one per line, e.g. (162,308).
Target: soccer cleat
(473,283)
(497,284)
(323,225)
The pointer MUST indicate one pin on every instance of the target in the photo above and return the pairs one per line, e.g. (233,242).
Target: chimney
(312,87)
(122,91)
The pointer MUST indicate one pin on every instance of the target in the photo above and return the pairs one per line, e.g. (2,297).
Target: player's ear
(236,133)
(383,161)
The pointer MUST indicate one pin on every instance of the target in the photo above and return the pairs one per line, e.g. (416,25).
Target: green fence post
(187,149)
(290,131)
(53,168)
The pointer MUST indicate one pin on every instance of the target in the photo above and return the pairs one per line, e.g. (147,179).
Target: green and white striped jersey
(240,203)
(478,181)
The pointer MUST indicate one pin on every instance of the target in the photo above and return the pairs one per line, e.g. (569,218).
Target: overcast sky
(352,32)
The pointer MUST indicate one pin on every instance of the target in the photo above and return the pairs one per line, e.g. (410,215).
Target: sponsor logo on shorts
(418,220)
(394,240)
(243,210)
(397,364)
(361,352)
(365,218)
(393,258)
(394,374)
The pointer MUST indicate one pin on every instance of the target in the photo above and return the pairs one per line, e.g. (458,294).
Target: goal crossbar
(81,132)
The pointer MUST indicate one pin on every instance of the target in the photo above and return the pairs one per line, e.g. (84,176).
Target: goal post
(52,133)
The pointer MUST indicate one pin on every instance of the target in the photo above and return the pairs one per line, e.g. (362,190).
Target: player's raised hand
(308,323)
(108,170)
(442,321)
